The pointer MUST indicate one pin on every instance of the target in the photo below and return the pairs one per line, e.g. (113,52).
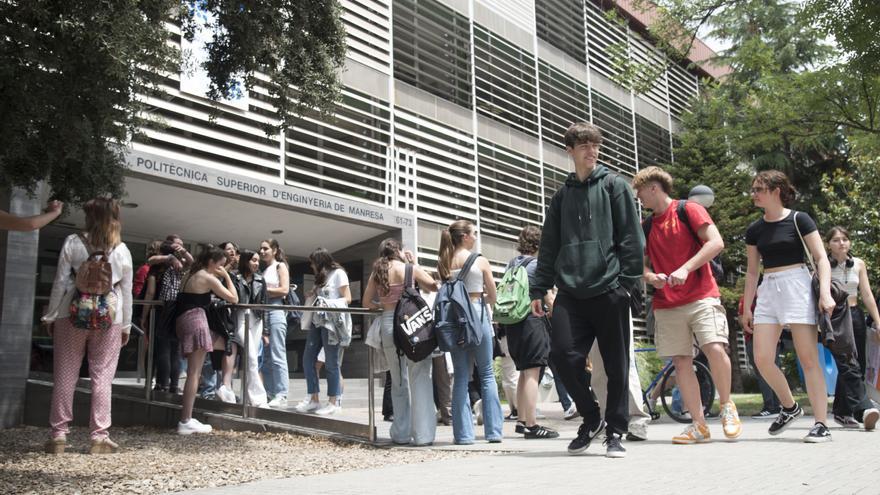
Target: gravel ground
(157,461)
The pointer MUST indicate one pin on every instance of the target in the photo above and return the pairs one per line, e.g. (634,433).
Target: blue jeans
(412,392)
(316,339)
(462,364)
(275,374)
(208,380)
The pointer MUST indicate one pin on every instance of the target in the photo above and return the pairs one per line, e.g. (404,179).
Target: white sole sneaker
(328,410)
(870,417)
(306,407)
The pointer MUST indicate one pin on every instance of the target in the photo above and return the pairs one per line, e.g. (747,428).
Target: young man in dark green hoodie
(592,250)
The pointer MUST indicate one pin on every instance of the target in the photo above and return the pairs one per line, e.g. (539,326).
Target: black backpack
(714,263)
(413,322)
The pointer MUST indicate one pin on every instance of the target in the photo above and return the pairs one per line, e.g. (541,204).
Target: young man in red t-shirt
(686,302)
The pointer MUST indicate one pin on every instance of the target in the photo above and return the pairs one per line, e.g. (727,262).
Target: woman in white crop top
(103,232)
(277,276)
(850,404)
(331,282)
(456,243)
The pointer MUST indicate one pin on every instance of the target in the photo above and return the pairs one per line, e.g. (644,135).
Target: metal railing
(245,354)
(146,359)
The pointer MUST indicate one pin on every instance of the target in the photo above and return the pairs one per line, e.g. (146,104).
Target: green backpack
(512,302)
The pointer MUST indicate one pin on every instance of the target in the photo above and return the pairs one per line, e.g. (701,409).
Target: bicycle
(670,398)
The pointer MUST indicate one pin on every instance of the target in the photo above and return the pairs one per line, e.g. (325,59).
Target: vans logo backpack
(413,322)
(93,306)
(456,323)
(513,303)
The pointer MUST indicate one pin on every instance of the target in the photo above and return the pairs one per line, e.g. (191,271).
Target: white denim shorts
(786,298)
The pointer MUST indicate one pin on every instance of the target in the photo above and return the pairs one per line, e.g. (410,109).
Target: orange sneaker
(694,433)
(730,421)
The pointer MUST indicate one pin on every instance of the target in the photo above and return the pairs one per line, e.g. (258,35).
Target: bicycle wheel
(673,405)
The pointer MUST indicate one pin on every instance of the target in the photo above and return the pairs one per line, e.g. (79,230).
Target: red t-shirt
(670,245)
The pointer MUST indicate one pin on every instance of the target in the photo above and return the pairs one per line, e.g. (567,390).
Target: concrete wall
(18,266)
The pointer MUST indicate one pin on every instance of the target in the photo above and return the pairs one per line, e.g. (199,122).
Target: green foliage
(851,196)
(68,75)
(71,70)
(299,45)
(854,25)
(649,364)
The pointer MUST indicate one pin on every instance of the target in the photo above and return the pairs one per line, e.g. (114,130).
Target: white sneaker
(193,426)
(329,409)
(571,413)
(478,411)
(870,417)
(278,401)
(306,406)
(226,395)
(539,414)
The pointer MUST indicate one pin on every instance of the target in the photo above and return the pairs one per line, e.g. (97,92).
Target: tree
(851,196)
(854,25)
(70,72)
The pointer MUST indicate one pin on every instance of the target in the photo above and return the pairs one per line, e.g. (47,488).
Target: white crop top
(848,277)
(473,281)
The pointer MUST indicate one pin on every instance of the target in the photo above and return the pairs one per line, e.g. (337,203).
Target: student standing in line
(276,274)
(687,304)
(591,249)
(103,232)
(529,344)
(785,297)
(851,405)
(456,243)
(331,283)
(412,392)
(191,324)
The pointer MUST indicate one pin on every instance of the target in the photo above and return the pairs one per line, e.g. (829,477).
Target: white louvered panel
(682,87)
(601,35)
(643,53)
(175,138)
(444,167)
(519,12)
(564,101)
(347,154)
(368,32)
(510,194)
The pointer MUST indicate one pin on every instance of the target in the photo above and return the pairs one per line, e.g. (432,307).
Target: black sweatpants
(850,396)
(576,324)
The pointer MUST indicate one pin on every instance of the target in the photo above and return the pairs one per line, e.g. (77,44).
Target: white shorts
(786,298)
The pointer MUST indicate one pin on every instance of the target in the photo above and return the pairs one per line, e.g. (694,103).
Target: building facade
(451,109)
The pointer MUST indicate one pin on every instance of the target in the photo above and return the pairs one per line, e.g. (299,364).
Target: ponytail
(389,250)
(450,238)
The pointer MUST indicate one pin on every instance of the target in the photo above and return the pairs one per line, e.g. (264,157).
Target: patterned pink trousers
(70,345)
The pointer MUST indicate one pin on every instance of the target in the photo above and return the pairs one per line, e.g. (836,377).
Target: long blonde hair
(451,238)
(102,223)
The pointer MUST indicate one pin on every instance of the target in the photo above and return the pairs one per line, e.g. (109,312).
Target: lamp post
(703,195)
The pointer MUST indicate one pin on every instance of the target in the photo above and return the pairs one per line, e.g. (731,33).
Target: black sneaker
(513,416)
(613,448)
(539,432)
(818,434)
(846,421)
(586,434)
(520,427)
(764,414)
(785,419)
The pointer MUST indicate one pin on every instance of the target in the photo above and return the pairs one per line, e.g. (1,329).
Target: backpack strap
(467,266)
(681,210)
(524,263)
(408,277)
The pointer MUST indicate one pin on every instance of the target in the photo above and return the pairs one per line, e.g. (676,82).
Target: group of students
(186,285)
(586,265)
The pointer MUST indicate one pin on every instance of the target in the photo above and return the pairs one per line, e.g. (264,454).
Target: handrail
(150,335)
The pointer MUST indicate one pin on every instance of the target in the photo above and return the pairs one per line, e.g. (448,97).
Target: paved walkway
(757,461)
